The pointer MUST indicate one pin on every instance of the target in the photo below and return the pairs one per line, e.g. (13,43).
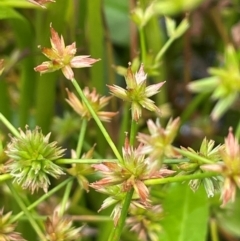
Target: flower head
(96,101)
(7,232)
(60,228)
(63,57)
(131,173)
(159,143)
(41,3)
(137,93)
(229,168)
(32,159)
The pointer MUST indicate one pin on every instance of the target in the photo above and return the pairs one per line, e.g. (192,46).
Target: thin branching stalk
(84,161)
(27,213)
(180,178)
(65,197)
(41,199)
(98,122)
(194,156)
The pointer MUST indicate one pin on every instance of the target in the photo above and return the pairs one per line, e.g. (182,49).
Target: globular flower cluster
(32,159)
(96,101)
(7,228)
(60,228)
(130,173)
(63,57)
(137,92)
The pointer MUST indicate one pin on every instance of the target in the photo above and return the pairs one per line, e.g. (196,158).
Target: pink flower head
(63,57)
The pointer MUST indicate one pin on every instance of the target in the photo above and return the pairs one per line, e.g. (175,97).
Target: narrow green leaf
(186,214)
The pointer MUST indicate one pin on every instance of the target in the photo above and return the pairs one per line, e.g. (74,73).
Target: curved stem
(98,122)
(180,178)
(116,232)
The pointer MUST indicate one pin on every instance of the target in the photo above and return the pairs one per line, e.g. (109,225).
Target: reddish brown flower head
(41,3)
(63,57)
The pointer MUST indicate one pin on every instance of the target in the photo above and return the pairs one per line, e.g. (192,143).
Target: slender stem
(9,125)
(213,230)
(42,198)
(133,132)
(81,137)
(91,218)
(83,161)
(98,122)
(194,156)
(27,213)
(143,45)
(5,177)
(180,178)
(175,161)
(65,198)
(116,232)
(164,49)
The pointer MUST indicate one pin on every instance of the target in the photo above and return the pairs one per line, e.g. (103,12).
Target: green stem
(65,198)
(180,178)
(27,213)
(194,156)
(9,125)
(116,232)
(83,161)
(42,198)
(81,137)
(213,230)
(5,177)
(98,122)
(133,132)
(143,45)
(164,49)
(175,161)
